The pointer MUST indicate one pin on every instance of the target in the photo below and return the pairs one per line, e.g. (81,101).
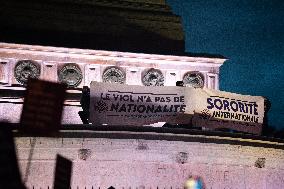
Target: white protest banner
(118,104)
(218,109)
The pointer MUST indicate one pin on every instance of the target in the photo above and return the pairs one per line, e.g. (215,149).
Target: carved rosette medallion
(26,69)
(153,77)
(193,79)
(71,75)
(114,75)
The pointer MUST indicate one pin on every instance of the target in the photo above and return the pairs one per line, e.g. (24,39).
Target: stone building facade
(126,157)
(78,67)
(134,159)
(140,42)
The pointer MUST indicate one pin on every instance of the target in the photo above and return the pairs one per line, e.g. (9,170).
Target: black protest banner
(43,107)
(63,171)
(9,169)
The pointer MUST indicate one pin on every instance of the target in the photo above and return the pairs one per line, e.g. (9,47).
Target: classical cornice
(7,48)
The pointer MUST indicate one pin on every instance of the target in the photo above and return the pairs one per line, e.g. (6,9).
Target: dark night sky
(250,33)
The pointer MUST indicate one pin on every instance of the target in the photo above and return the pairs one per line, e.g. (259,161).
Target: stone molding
(51,59)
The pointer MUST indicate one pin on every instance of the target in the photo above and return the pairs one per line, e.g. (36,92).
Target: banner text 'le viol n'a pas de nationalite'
(117,104)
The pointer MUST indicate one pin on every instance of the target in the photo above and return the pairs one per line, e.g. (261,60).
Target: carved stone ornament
(260,163)
(84,154)
(26,69)
(182,157)
(114,75)
(71,75)
(193,79)
(153,78)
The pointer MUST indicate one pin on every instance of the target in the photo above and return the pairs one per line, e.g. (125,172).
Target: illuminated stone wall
(139,163)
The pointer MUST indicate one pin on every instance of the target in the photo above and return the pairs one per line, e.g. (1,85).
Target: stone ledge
(162,133)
